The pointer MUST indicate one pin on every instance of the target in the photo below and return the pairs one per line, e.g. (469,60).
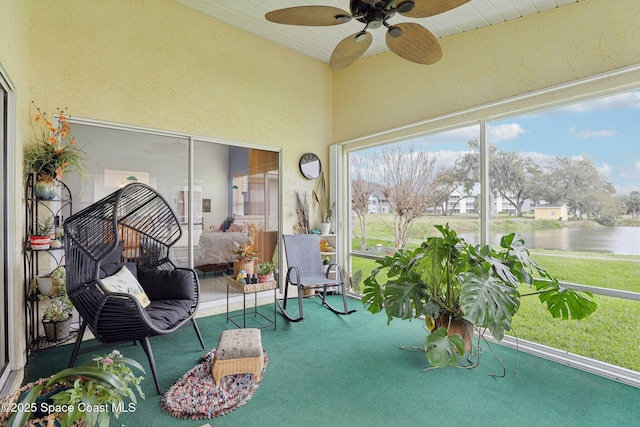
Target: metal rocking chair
(132,229)
(306,272)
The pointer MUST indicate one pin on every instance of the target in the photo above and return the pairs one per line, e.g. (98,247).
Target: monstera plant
(456,287)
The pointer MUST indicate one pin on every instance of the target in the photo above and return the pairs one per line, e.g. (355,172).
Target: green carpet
(348,371)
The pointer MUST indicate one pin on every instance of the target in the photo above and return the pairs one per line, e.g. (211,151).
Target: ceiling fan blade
(414,43)
(426,8)
(350,50)
(314,16)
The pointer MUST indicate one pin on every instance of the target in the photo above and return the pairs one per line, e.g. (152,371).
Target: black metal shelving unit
(40,261)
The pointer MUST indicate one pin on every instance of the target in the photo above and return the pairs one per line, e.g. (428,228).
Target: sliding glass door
(222,194)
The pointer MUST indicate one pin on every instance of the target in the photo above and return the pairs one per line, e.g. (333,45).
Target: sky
(606,130)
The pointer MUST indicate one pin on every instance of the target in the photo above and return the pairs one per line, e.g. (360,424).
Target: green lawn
(611,334)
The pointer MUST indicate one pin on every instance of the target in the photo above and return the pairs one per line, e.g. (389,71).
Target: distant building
(552,212)
(377,203)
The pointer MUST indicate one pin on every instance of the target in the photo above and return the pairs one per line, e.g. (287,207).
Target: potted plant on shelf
(49,284)
(56,318)
(83,395)
(52,152)
(326,208)
(245,255)
(40,239)
(266,272)
(457,287)
(57,307)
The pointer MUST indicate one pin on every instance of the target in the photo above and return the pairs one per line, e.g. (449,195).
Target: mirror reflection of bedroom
(234,193)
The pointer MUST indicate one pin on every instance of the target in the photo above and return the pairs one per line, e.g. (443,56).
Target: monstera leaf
(488,302)
(443,350)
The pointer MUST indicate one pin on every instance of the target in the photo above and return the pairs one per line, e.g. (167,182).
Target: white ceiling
(319,42)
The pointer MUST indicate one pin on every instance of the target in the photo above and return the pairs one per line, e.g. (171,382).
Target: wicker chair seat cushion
(166,313)
(124,281)
(166,284)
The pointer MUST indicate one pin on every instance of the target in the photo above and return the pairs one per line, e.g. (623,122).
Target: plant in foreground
(84,394)
(449,281)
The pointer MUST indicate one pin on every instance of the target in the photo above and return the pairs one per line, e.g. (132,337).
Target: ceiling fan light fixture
(342,18)
(395,32)
(360,37)
(405,6)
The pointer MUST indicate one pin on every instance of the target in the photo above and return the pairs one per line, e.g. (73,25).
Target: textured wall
(494,63)
(154,63)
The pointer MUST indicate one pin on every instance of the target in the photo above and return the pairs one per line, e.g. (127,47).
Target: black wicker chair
(306,271)
(132,228)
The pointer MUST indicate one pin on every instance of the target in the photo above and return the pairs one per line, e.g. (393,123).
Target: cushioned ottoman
(239,351)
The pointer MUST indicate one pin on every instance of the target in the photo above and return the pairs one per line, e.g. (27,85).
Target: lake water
(614,240)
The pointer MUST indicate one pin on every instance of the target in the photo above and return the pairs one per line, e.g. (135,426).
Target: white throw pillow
(125,281)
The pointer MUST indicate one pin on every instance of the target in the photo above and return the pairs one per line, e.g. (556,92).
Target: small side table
(252,288)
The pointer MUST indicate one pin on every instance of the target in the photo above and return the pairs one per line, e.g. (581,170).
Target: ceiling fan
(409,40)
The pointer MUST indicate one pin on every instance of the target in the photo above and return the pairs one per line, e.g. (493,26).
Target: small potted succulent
(40,239)
(266,272)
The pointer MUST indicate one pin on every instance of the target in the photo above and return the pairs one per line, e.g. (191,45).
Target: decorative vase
(56,330)
(246,266)
(45,188)
(325,227)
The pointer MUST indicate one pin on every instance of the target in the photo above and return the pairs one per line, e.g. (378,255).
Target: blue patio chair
(306,271)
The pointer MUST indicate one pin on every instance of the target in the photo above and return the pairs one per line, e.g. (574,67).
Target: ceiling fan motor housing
(373,15)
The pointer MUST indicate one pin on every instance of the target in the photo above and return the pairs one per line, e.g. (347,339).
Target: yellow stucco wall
(154,63)
(385,92)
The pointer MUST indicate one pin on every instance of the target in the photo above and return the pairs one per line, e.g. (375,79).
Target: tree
(632,203)
(467,172)
(513,177)
(362,164)
(409,180)
(577,182)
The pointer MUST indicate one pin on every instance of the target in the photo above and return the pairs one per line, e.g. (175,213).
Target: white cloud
(505,132)
(588,133)
(616,102)
(605,169)
(540,158)
(623,100)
